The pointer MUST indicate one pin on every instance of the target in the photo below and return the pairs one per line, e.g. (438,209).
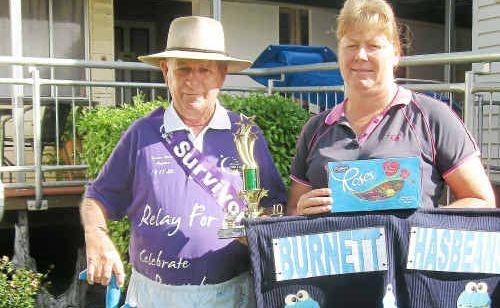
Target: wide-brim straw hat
(196,38)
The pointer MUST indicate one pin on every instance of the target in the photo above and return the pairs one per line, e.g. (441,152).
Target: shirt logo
(393,136)
(162,164)
(229,165)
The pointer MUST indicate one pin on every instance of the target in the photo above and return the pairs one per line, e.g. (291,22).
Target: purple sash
(197,167)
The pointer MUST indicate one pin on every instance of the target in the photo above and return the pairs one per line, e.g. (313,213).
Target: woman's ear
(395,61)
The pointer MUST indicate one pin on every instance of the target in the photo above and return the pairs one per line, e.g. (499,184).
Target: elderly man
(173,173)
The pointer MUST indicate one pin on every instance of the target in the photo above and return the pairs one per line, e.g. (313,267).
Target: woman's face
(367,60)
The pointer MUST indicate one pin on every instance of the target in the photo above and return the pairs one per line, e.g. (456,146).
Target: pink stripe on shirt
(460,163)
(296,179)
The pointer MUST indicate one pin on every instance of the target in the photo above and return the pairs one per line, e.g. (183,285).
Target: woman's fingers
(317,210)
(316,201)
(318,192)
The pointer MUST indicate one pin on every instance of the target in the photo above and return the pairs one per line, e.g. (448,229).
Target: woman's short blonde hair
(369,15)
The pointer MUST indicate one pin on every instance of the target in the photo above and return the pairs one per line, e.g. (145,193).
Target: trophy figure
(252,193)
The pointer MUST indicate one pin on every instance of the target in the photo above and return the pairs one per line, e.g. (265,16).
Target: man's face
(194,84)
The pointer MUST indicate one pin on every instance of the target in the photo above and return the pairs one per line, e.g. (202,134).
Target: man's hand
(243,240)
(103,259)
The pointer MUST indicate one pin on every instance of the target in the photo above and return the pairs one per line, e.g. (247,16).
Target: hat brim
(234,65)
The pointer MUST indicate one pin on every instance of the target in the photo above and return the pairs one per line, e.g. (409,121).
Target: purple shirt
(174,222)
(413,125)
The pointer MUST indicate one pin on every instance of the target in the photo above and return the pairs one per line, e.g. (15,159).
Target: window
(66,25)
(294,26)
(132,39)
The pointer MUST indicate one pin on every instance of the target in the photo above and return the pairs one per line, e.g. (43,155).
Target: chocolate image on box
(386,190)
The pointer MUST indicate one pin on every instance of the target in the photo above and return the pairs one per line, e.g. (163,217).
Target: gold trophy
(252,193)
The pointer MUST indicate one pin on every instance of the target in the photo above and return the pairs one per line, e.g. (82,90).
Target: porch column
(101,47)
(16,37)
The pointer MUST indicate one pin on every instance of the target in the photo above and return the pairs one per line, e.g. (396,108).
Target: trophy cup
(252,193)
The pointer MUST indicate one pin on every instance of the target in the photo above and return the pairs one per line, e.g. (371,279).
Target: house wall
(101,46)
(428,38)
(248,28)
(486,38)
(322,27)
(486,31)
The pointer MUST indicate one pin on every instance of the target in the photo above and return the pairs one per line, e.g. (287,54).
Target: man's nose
(193,77)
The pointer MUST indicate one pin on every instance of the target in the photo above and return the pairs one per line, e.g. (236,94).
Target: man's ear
(223,73)
(164,69)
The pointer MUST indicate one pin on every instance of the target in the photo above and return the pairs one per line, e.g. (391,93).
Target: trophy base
(231,232)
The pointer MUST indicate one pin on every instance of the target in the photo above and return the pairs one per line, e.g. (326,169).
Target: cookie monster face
(300,300)
(474,295)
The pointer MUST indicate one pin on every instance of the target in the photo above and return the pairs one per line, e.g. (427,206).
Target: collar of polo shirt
(172,121)
(403,97)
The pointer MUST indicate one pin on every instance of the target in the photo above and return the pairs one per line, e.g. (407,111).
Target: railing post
(468,110)
(270,84)
(38,203)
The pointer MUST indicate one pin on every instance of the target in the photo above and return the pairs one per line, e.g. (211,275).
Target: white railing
(480,107)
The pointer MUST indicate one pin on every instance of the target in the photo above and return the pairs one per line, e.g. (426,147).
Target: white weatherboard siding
(248,29)
(428,38)
(322,28)
(486,38)
(486,29)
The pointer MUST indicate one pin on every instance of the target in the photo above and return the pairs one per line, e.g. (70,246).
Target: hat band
(196,50)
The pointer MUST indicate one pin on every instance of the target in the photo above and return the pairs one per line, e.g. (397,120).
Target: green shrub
(18,286)
(279,118)
(101,128)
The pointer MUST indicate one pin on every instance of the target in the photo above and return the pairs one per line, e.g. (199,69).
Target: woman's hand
(316,201)
(303,200)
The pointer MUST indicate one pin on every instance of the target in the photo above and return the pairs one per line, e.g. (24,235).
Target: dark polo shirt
(413,125)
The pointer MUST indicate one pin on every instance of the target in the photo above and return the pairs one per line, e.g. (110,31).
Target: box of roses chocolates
(375,184)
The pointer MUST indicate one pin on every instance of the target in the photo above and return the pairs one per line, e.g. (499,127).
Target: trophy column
(252,193)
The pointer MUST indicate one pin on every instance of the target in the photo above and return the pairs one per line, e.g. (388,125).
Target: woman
(380,119)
